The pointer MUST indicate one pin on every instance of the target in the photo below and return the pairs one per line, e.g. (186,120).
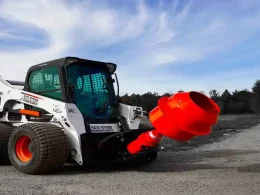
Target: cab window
(46,82)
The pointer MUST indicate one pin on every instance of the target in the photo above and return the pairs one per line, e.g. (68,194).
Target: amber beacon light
(179,117)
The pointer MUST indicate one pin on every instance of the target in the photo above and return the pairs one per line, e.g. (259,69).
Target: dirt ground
(228,164)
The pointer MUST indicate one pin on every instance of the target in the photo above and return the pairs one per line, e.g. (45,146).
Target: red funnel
(184,115)
(180,117)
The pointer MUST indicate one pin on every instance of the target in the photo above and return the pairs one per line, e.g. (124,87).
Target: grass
(226,125)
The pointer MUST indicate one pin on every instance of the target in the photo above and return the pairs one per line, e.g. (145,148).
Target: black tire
(5,132)
(143,160)
(136,162)
(149,156)
(50,148)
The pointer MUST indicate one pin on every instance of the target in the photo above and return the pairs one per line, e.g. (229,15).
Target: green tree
(255,99)
(236,102)
(214,94)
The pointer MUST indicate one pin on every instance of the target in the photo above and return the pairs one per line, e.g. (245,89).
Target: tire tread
(5,132)
(53,148)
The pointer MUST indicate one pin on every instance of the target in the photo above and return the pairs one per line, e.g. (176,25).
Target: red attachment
(148,139)
(180,117)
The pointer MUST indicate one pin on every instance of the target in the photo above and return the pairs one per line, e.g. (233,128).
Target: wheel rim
(23,149)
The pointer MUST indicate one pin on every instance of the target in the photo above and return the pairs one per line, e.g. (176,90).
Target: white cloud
(68,28)
(151,37)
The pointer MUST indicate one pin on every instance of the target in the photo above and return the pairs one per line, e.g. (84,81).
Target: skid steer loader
(67,110)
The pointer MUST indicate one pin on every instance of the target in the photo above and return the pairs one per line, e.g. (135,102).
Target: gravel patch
(229,166)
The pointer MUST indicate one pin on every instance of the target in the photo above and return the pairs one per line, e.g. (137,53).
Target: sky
(158,46)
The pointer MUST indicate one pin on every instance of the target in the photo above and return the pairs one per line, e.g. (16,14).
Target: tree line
(236,102)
